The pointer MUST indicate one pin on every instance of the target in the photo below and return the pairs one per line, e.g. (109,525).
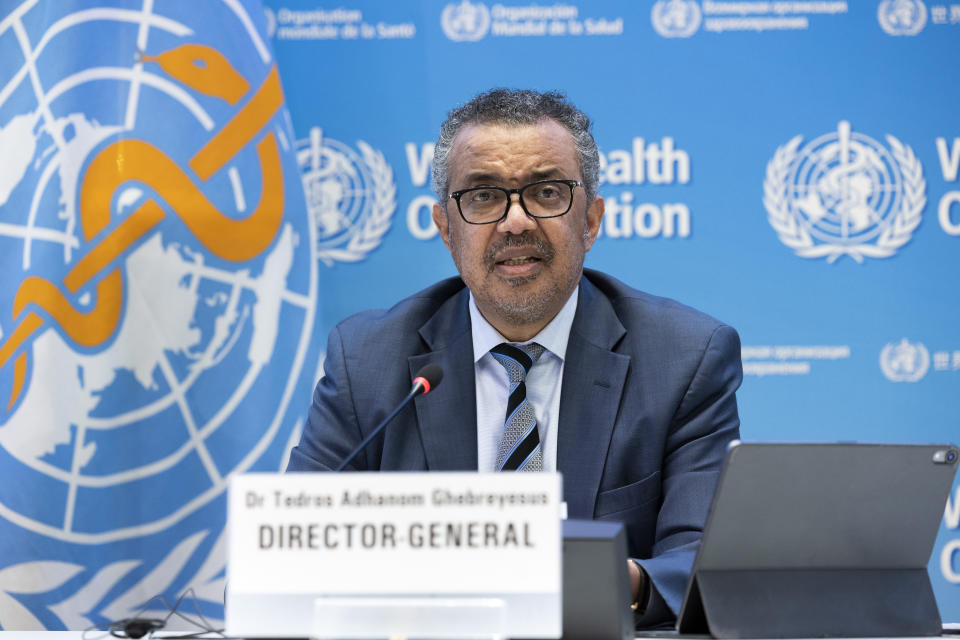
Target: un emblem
(157,304)
(351,197)
(904,361)
(902,17)
(844,194)
(466,21)
(675,18)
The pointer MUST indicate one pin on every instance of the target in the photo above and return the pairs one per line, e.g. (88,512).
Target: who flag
(157,301)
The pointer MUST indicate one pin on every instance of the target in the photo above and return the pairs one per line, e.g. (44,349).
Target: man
(629,396)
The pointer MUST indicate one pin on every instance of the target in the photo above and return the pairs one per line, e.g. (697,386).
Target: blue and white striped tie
(519,448)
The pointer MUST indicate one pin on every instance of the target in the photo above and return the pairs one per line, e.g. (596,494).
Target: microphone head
(432,374)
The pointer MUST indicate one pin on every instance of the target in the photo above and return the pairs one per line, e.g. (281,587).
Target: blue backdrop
(789,167)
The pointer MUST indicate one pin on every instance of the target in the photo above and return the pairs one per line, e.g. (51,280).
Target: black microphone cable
(138,626)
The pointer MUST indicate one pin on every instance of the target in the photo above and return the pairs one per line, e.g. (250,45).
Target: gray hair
(517,107)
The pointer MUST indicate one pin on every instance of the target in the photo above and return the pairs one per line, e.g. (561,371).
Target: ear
(440,219)
(594,218)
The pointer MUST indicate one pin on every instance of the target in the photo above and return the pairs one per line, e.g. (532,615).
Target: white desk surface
(94,635)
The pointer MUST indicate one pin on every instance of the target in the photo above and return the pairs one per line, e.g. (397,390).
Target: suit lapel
(593,379)
(447,416)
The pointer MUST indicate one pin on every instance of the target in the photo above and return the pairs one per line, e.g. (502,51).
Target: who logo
(351,197)
(904,361)
(844,194)
(465,21)
(675,18)
(902,17)
(158,300)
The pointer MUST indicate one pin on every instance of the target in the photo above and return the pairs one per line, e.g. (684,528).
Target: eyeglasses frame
(570,183)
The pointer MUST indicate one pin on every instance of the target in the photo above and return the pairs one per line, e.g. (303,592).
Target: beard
(528,303)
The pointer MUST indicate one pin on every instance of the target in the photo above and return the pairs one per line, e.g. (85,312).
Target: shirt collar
(553,337)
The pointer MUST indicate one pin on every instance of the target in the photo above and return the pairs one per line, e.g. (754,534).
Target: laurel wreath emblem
(384,203)
(795,236)
(96,596)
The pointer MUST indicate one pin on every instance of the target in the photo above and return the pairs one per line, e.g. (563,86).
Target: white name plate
(296,537)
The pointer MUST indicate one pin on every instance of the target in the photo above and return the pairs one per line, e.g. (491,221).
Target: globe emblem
(844,194)
(465,21)
(846,187)
(350,196)
(904,361)
(187,385)
(902,17)
(675,18)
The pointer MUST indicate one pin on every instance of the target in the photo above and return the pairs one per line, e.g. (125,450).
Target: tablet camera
(945,456)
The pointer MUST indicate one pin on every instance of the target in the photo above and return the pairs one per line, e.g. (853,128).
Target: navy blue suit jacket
(647,408)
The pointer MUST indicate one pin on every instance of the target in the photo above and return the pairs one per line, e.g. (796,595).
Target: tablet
(803,522)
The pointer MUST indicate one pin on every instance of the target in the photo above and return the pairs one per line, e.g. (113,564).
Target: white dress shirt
(543,383)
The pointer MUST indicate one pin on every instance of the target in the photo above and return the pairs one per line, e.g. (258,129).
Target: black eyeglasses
(541,199)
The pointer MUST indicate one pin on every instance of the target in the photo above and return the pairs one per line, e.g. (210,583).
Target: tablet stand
(809,603)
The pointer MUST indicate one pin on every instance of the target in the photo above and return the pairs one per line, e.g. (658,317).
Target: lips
(518,262)
(519,254)
(513,262)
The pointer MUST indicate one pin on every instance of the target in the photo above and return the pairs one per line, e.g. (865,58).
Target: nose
(516,221)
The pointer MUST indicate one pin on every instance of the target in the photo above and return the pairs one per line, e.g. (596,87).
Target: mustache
(540,247)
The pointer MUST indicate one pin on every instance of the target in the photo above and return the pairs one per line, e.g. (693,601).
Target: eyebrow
(494,179)
(484,178)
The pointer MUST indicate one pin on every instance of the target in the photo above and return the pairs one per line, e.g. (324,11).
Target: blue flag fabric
(157,301)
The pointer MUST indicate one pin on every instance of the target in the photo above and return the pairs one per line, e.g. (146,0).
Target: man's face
(521,270)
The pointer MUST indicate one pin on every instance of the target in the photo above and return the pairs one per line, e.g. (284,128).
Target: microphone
(426,379)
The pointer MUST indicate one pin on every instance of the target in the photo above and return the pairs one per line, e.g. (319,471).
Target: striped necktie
(519,448)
